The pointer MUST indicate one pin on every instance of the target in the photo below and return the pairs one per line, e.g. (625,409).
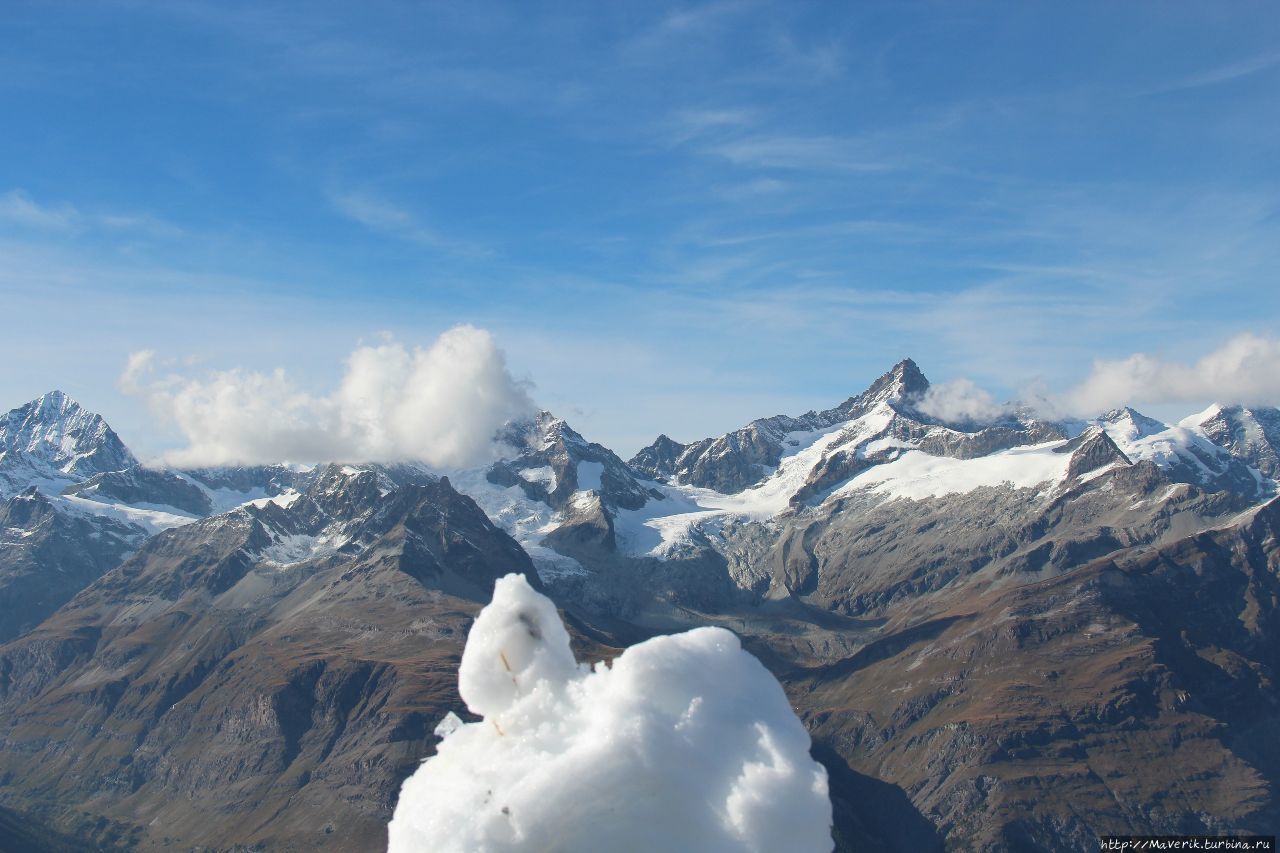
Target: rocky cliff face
(553,462)
(139,485)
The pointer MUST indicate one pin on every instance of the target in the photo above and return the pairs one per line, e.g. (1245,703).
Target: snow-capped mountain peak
(1251,434)
(1127,425)
(53,437)
(902,384)
(1185,452)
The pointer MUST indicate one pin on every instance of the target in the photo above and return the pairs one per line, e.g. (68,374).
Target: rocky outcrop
(268,479)
(658,460)
(553,462)
(1091,451)
(48,554)
(1251,434)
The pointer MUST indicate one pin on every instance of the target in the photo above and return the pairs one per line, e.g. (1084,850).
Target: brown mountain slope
(1135,694)
(201,695)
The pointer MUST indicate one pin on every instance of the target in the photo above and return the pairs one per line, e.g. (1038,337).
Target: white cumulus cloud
(440,405)
(685,743)
(960,401)
(1246,369)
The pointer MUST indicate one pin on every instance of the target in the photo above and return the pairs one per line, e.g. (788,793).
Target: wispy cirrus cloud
(675,29)
(687,125)
(804,153)
(385,217)
(18,208)
(1237,70)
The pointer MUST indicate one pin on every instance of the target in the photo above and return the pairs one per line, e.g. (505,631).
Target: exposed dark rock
(47,555)
(139,485)
(1252,435)
(270,479)
(548,444)
(658,460)
(1090,451)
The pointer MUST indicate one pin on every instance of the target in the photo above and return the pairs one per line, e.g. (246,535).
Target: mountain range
(1013,635)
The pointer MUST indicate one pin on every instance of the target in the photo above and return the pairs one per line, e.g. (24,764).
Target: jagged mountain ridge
(878,532)
(96,504)
(546,505)
(882,444)
(1184,452)
(748,456)
(740,459)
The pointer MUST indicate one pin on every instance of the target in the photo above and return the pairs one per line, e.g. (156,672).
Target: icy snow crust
(686,743)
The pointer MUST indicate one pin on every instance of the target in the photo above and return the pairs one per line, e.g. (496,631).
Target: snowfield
(916,475)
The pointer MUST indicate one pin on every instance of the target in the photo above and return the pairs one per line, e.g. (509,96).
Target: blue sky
(672,217)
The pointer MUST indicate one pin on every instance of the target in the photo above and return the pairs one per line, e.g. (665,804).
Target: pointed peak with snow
(556,429)
(1251,434)
(55,400)
(903,382)
(1128,424)
(49,406)
(1214,410)
(54,437)
(537,433)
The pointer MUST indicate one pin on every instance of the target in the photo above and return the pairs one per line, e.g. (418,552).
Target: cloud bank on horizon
(1244,370)
(441,405)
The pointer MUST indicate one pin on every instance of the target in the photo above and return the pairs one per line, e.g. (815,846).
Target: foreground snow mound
(686,743)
